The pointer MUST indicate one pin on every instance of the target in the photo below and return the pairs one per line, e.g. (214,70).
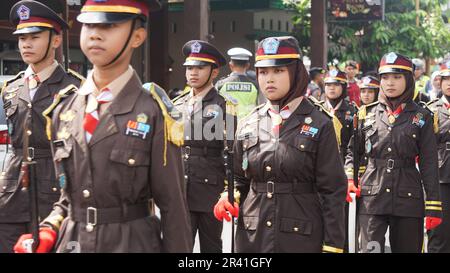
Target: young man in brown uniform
(25,98)
(114,150)
(205,119)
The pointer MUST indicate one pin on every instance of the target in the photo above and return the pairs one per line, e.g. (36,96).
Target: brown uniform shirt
(203,148)
(20,108)
(392,185)
(293,187)
(111,178)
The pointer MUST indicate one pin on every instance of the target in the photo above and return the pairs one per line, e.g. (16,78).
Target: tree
(366,42)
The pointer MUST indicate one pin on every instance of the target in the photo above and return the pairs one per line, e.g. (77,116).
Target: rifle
(352,234)
(29,182)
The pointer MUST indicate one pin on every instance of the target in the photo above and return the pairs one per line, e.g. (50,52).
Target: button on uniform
(131,161)
(269,224)
(86,194)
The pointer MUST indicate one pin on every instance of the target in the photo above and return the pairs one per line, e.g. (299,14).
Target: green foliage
(366,42)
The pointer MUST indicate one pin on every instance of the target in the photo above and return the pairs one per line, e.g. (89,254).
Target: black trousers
(405,233)
(439,238)
(9,234)
(209,231)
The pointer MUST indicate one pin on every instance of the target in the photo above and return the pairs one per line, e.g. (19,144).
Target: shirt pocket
(129,167)
(299,156)
(410,192)
(296,226)
(250,223)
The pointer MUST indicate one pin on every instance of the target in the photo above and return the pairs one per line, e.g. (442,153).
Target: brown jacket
(19,108)
(442,121)
(392,185)
(203,155)
(293,188)
(111,179)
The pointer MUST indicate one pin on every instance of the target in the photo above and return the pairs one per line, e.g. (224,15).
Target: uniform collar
(293,105)
(44,74)
(115,86)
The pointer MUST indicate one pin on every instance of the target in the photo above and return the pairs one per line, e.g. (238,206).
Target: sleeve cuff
(433,208)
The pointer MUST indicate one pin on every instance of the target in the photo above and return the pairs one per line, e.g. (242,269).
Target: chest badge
(307,130)
(308,120)
(138,128)
(418,120)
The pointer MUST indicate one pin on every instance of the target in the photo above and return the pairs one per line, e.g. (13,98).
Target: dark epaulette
(433,111)
(173,125)
(185,92)
(16,77)
(432,101)
(319,105)
(76,75)
(60,96)
(425,106)
(362,112)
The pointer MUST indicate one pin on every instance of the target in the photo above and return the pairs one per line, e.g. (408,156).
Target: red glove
(432,222)
(47,239)
(222,206)
(352,188)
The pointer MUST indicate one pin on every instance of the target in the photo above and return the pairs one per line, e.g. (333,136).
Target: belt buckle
(447,146)
(390,164)
(91,222)
(270,189)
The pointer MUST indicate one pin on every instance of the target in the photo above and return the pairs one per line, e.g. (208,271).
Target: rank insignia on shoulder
(137,129)
(307,130)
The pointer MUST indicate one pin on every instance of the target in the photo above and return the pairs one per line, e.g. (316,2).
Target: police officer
(370,88)
(115,148)
(238,84)
(205,118)
(287,164)
(316,86)
(336,104)
(439,238)
(394,132)
(421,81)
(39,31)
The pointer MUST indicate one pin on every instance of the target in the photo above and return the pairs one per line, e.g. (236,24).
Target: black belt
(34,152)
(202,151)
(99,216)
(392,163)
(444,146)
(271,187)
